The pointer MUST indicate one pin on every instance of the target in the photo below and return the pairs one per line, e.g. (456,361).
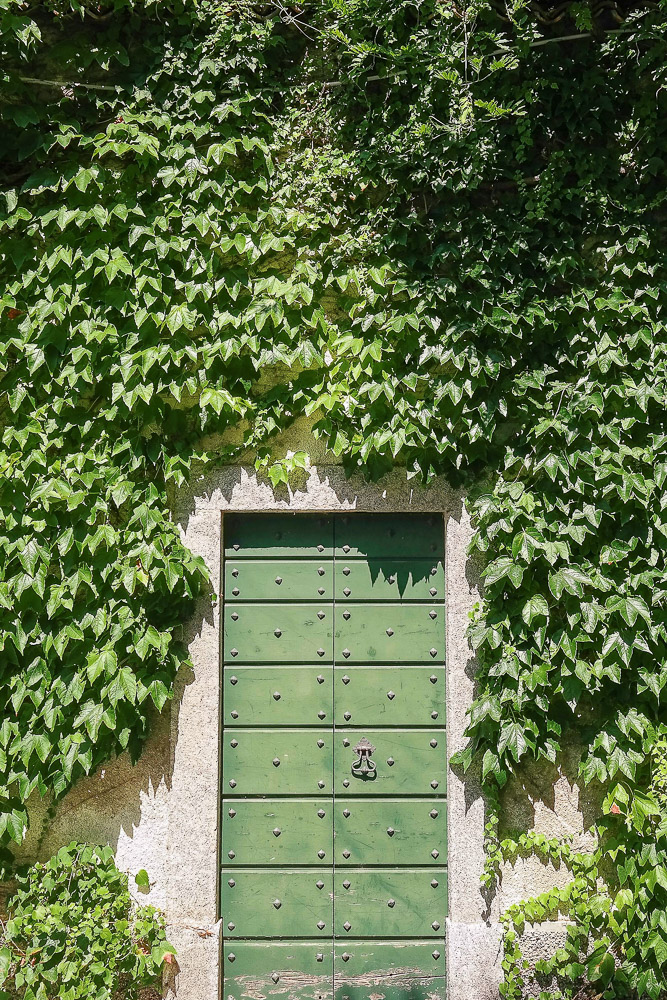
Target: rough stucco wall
(162,814)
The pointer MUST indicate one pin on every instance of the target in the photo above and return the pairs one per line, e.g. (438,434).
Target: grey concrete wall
(162,814)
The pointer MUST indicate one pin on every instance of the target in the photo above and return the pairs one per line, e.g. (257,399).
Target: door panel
(388,903)
(397,535)
(280,832)
(387,696)
(388,579)
(282,904)
(274,535)
(389,831)
(277,696)
(394,970)
(407,762)
(278,633)
(288,761)
(333,635)
(286,970)
(389,632)
(278,580)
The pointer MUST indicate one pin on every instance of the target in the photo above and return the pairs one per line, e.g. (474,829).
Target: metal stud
(320,548)
(434,743)
(320,679)
(320,571)
(231,883)
(435,854)
(321,715)
(320,743)
(346,742)
(347,884)
(391,695)
(434,715)
(232,783)
(346,548)
(391,831)
(345,957)
(434,784)
(346,570)
(319,956)
(346,782)
(320,784)
(347,591)
(347,716)
(235,616)
(320,652)
(276,695)
(347,925)
(279,580)
(436,955)
(433,614)
(346,853)
(235,573)
(234,743)
(320,884)
(345,679)
(235,591)
(278,633)
(277,832)
(231,957)
(390,631)
(321,924)
(234,714)
(391,761)
(275,977)
(232,813)
(236,546)
(346,653)
(434,571)
(320,854)
(276,761)
(231,854)
(233,680)
(433,652)
(346,813)
(391,579)
(433,814)
(277,904)
(346,615)
(230,926)
(320,590)
(433,679)
(435,925)
(234,652)
(321,813)
(391,903)
(433,591)
(320,615)
(434,883)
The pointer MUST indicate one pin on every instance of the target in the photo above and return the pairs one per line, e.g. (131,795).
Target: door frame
(193,836)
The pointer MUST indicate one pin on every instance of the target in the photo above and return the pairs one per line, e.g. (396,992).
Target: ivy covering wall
(436,230)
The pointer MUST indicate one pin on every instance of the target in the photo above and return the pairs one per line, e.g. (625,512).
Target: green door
(334,765)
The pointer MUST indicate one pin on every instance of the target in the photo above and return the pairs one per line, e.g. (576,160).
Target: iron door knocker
(363,766)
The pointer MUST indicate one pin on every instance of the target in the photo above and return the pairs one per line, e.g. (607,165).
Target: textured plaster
(162,814)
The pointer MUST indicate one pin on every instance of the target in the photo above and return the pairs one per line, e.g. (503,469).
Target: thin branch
(68,83)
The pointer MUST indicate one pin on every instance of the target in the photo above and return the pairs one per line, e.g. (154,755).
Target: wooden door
(334,852)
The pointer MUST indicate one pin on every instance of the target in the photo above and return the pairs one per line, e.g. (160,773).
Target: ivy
(73,933)
(433,231)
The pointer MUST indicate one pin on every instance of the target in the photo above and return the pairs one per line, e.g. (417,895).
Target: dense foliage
(73,933)
(436,231)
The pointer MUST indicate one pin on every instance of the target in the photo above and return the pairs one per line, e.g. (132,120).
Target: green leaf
(141,879)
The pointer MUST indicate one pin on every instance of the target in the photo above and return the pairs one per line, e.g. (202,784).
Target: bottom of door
(345,970)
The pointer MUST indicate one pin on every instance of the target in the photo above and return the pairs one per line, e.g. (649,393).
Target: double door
(334,856)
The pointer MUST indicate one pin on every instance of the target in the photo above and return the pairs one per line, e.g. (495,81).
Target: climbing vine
(435,231)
